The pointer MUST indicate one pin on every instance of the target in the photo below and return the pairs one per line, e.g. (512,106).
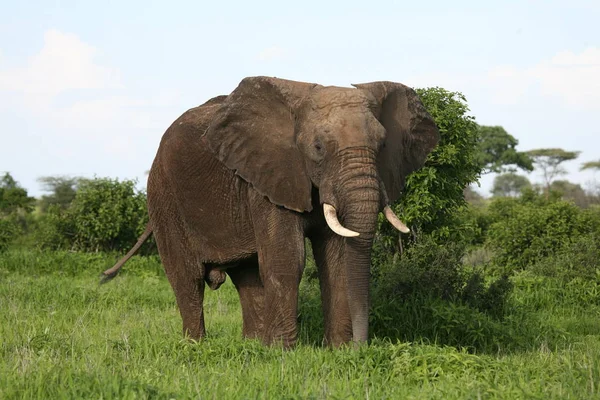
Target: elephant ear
(411,133)
(253,133)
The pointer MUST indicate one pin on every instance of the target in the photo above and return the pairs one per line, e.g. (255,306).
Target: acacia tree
(550,161)
(509,185)
(496,151)
(595,165)
(594,185)
(62,191)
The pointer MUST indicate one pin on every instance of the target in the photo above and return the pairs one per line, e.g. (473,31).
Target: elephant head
(354,145)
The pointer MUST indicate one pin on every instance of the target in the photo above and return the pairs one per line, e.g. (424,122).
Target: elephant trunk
(359,195)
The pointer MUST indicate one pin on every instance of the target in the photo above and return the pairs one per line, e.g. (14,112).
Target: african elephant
(239,182)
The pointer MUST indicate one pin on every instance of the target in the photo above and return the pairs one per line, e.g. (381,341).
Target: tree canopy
(62,191)
(573,192)
(591,165)
(549,162)
(13,197)
(496,151)
(509,185)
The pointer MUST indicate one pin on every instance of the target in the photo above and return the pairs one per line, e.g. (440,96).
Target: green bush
(9,230)
(13,198)
(106,215)
(433,195)
(578,259)
(54,230)
(435,270)
(529,229)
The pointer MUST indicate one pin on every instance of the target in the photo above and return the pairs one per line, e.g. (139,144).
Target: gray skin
(239,182)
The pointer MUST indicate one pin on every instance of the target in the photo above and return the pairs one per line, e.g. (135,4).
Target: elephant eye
(318,145)
(318,150)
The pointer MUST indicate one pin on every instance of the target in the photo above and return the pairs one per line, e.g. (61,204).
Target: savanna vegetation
(486,298)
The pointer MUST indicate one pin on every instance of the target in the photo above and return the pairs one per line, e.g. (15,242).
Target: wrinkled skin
(239,182)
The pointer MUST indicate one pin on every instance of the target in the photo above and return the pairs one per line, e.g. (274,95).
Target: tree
(590,165)
(13,198)
(497,152)
(62,189)
(433,194)
(594,185)
(571,191)
(509,185)
(472,196)
(550,160)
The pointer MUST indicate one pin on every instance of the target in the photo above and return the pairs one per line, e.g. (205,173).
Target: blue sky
(88,88)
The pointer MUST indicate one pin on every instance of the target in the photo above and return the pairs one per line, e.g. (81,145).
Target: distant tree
(571,191)
(497,152)
(509,185)
(62,191)
(13,198)
(549,162)
(472,196)
(591,165)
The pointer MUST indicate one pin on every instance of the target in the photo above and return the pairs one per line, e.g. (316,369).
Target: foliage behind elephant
(240,181)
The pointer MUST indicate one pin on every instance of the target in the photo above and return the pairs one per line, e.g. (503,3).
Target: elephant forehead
(332,97)
(344,115)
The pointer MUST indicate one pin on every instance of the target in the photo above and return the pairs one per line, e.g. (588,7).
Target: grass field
(64,336)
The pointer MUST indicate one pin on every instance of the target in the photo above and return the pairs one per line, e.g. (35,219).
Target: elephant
(240,181)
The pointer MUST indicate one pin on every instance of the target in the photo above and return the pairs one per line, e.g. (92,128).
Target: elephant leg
(280,242)
(281,278)
(246,278)
(185,273)
(328,250)
(190,297)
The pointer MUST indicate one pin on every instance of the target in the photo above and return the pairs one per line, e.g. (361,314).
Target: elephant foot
(284,343)
(192,336)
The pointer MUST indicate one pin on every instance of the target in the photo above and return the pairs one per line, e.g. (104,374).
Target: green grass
(64,336)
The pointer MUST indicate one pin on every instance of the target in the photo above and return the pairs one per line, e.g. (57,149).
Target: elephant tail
(112,272)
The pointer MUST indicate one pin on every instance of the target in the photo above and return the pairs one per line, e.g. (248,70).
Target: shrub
(106,215)
(435,270)
(13,198)
(54,230)
(578,259)
(9,230)
(534,227)
(433,195)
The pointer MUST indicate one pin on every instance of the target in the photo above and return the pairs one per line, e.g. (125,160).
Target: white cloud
(74,105)
(64,63)
(66,68)
(571,78)
(273,53)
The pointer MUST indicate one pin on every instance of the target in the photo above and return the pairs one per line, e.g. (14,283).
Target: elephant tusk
(394,220)
(334,223)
